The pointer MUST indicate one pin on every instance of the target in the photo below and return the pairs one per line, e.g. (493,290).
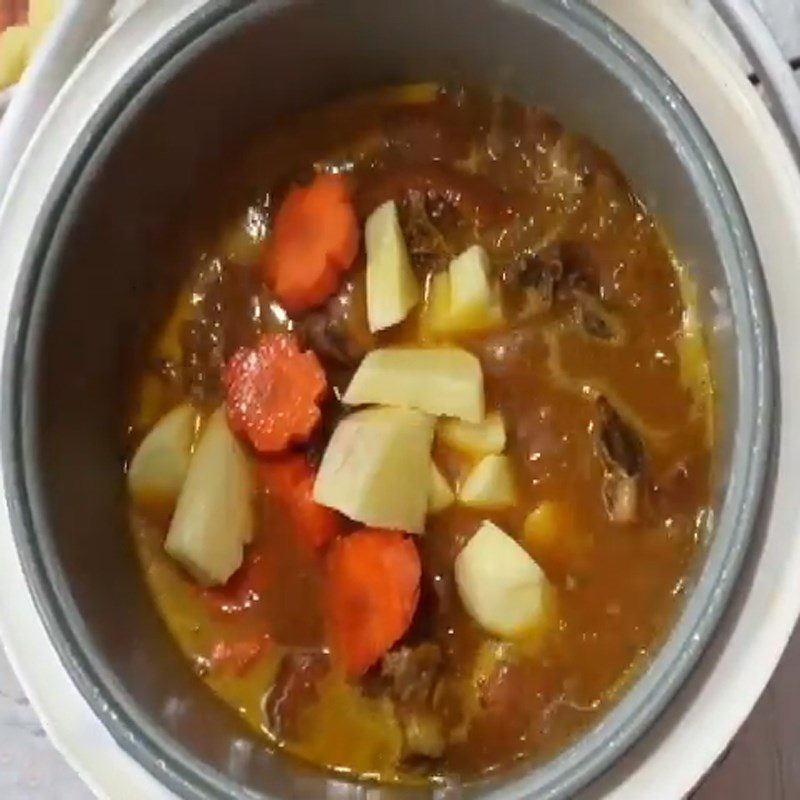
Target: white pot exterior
(704,717)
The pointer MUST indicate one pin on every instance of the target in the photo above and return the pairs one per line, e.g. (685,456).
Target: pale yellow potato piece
(444,381)
(462,300)
(502,588)
(376,466)
(42,12)
(474,438)
(392,288)
(544,525)
(440,495)
(15,48)
(159,466)
(471,296)
(435,321)
(213,519)
(489,485)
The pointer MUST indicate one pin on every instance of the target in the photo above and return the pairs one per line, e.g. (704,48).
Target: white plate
(705,716)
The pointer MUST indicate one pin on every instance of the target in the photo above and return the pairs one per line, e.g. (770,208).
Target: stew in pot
(420,460)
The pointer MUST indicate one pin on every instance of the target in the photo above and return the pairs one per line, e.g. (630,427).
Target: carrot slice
(273,392)
(291,480)
(314,241)
(372,591)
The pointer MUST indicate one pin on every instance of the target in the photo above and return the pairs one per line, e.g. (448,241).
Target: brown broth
(515,182)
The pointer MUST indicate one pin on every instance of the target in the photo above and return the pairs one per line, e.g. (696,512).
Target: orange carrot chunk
(372,591)
(291,481)
(314,240)
(273,392)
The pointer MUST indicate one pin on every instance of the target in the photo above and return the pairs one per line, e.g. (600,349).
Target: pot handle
(758,43)
(74,31)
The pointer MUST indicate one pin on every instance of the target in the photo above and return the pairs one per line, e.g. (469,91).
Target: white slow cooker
(39,129)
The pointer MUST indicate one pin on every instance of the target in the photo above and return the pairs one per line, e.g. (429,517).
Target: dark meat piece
(423,733)
(294,690)
(580,271)
(478,202)
(538,273)
(596,320)
(620,444)
(325,334)
(564,272)
(427,247)
(621,496)
(413,673)
(339,333)
(622,454)
(227,314)
(514,697)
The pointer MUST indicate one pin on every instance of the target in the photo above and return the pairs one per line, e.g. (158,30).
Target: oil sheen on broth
(598,372)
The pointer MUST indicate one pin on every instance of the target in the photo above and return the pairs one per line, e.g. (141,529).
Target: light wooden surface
(763,763)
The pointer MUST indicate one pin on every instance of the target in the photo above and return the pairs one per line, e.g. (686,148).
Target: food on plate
(419,459)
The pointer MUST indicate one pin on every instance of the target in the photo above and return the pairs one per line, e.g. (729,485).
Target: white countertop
(30,768)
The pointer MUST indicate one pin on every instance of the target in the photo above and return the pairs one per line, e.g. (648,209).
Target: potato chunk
(440,495)
(376,468)
(392,288)
(474,439)
(462,300)
(16,43)
(213,520)
(501,586)
(42,12)
(435,318)
(159,466)
(556,537)
(474,304)
(442,381)
(489,485)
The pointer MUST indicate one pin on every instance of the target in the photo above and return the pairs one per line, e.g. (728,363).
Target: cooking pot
(97,258)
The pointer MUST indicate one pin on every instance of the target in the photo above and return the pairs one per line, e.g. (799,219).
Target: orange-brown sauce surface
(492,172)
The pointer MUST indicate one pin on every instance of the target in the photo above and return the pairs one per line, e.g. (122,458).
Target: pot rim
(596,749)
